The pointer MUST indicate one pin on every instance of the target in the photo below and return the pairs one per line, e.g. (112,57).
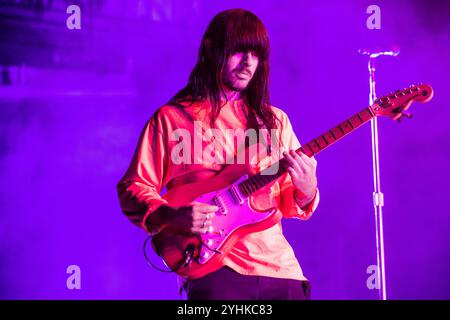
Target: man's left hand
(302,170)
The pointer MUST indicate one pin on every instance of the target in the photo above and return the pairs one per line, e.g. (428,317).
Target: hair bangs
(247,33)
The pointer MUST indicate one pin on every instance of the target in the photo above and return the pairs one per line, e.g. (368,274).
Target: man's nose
(247,57)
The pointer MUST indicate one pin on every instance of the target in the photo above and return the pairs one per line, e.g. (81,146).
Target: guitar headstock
(394,105)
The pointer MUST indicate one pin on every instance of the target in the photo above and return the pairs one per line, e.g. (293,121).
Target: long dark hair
(230,31)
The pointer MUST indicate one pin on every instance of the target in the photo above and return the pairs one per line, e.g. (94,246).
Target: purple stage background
(73,102)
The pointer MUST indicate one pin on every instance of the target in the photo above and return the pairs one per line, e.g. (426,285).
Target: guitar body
(193,256)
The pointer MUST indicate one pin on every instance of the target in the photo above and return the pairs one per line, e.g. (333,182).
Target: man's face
(239,70)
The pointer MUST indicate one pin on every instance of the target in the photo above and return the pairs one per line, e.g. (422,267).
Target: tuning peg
(407,114)
(407,91)
(399,93)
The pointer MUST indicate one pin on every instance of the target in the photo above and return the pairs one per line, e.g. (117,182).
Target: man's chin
(237,88)
(240,87)
(237,85)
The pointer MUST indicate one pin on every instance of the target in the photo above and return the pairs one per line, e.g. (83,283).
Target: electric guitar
(193,256)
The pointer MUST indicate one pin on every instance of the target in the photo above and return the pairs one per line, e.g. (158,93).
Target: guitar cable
(188,253)
(188,256)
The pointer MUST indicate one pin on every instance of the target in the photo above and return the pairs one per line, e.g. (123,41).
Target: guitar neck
(320,143)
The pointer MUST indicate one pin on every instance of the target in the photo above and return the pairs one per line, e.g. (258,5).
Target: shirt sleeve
(289,206)
(139,189)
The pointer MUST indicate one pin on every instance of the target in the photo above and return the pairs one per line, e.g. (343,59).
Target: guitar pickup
(236,196)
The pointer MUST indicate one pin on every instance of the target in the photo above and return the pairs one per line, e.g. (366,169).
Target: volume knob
(203,256)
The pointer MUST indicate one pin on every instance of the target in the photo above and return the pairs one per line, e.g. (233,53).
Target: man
(227,89)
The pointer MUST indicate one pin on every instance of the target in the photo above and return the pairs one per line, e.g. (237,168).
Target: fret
(342,130)
(338,132)
(247,189)
(322,142)
(366,114)
(332,133)
(360,118)
(330,136)
(349,123)
(242,189)
(302,150)
(269,178)
(355,121)
(318,145)
(309,151)
(314,146)
(251,186)
(262,181)
(345,127)
(258,181)
(255,184)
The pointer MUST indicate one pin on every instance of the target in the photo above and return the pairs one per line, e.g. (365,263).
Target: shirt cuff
(152,230)
(292,208)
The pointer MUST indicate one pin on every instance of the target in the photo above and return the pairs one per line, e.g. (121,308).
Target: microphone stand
(378,198)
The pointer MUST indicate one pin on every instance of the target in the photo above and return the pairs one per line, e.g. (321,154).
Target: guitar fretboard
(268,175)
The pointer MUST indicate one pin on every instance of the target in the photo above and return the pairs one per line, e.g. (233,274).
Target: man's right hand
(196,217)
